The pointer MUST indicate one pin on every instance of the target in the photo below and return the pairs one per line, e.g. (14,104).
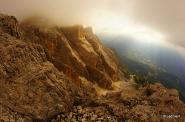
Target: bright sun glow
(115,24)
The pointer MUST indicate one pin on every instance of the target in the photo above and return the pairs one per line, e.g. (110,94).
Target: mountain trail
(127,87)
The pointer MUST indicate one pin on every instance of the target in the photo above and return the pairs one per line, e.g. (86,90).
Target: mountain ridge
(51,73)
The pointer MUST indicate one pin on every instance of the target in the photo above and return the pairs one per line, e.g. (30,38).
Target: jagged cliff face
(30,86)
(33,60)
(76,49)
(50,73)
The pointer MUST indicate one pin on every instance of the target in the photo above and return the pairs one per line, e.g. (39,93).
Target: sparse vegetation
(140,79)
(143,73)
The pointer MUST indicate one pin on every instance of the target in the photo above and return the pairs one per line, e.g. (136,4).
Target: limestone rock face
(94,54)
(30,85)
(108,61)
(102,80)
(76,49)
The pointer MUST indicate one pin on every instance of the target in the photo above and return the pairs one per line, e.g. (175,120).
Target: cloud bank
(166,16)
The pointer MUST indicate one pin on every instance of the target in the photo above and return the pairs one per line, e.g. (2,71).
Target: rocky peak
(73,48)
(93,52)
(76,31)
(89,30)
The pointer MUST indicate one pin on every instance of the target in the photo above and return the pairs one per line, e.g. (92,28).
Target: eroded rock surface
(31,85)
(77,49)
(141,107)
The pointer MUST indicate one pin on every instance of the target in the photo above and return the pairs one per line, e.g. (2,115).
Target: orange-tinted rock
(30,85)
(72,47)
(99,77)
(32,89)
(94,54)
(58,47)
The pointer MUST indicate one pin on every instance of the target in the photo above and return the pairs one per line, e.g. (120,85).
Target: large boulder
(30,85)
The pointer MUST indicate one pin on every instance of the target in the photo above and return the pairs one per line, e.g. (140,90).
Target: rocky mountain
(84,53)
(51,73)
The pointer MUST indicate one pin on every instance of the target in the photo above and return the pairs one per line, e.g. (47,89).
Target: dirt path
(127,88)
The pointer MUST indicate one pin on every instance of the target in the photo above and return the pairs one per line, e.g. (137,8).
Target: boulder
(30,85)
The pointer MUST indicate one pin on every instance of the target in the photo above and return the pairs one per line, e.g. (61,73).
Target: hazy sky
(160,19)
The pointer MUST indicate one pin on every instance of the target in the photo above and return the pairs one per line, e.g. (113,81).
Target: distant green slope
(150,73)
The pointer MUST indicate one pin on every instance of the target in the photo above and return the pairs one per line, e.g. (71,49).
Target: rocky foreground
(151,103)
(50,73)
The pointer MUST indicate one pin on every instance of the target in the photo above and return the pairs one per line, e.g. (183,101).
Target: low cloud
(166,16)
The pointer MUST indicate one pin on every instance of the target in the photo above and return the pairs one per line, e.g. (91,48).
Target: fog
(164,16)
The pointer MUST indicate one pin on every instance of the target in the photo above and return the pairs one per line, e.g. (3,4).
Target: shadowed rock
(30,85)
